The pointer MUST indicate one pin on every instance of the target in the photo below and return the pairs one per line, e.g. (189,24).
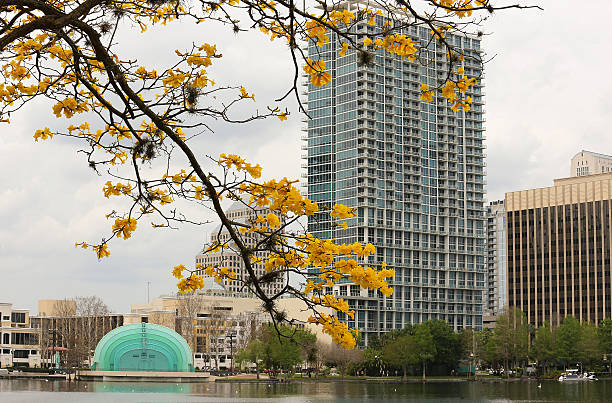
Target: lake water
(21,390)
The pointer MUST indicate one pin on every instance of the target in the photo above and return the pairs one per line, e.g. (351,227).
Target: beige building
(19,342)
(230,257)
(55,307)
(590,163)
(559,244)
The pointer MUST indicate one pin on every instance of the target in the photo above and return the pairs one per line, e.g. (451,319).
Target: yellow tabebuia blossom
(273,220)
(426,94)
(318,75)
(178,271)
(233,160)
(69,107)
(124,227)
(338,331)
(345,47)
(43,134)
(101,251)
(190,284)
(341,211)
(115,190)
(245,94)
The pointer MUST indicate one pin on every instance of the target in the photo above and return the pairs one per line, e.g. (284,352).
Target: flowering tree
(137,122)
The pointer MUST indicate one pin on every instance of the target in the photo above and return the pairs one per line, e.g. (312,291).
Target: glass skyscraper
(415,173)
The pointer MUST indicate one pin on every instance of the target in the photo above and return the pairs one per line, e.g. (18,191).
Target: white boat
(574,375)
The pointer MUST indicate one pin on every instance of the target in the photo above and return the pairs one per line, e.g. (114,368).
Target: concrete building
(559,244)
(413,170)
(590,163)
(496,258)
(231,258)
(19,342)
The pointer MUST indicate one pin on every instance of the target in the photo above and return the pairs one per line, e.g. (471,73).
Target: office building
(496,298)
(590,163)
(230,257)
(559,245)
(413,170)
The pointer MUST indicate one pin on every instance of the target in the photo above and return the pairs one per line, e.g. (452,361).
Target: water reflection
(141,387)
(345,392)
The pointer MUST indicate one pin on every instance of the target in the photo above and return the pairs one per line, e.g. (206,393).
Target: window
(21,353)
(24,338)
(18,317)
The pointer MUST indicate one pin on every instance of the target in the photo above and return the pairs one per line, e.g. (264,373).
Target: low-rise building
(19,342)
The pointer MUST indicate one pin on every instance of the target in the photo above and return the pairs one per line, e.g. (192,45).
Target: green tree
(447,342)
(401,352)
(425,347)
(588,345)
(342,358)
(253,353)
(279,348)
(543,348)
(568,336)
(510,339)
(604,335)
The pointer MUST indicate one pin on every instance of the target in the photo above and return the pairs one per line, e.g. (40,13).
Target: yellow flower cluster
(366,277)
(190,284)
(462,8)
(115,190)
(331,301)
(321,252)
(100,250)
(341,211)
(317,31)
(161,195)
(280,196)
(233,160)
(69,107)
(397,44)
(194,281)
(426,94)
(316,70)
(43,134)
(338,331)
(245,94)
(288,259)
(124,227)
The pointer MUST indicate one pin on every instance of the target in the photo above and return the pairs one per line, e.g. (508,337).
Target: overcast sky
(547,97)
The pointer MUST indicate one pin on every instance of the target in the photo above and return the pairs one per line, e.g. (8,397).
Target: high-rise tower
(497,288)
(415,173)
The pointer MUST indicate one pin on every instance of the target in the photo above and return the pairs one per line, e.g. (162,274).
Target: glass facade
(415,173)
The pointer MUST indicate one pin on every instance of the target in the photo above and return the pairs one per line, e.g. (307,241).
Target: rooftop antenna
(148,285)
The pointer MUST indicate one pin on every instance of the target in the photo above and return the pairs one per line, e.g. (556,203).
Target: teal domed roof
(143,347)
